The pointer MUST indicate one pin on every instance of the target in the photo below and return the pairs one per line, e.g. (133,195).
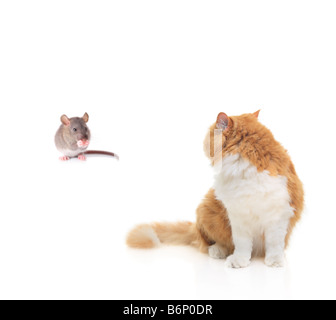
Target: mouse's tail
(148,236)
(103,153)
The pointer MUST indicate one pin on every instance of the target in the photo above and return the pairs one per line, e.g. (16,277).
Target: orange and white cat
(256,200)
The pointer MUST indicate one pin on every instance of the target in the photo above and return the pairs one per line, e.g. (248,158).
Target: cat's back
(255,143)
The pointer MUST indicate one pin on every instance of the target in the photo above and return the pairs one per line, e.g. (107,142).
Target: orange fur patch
(213,224)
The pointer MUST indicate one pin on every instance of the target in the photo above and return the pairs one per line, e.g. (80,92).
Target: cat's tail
(148,236)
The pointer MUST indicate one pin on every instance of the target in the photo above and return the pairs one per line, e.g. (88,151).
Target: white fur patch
(258,206)
(147,232)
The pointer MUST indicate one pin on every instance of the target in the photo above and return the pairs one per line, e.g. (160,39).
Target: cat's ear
(223,122)
(256,114)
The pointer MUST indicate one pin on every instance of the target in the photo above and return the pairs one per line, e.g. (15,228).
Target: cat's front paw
(275,261)
(237,262)
(217,252)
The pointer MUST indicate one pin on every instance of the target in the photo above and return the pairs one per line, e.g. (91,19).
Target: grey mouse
(73,138)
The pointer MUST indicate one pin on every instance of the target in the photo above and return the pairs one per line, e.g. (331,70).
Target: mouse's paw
(64,158)
(83,143)
(82,157)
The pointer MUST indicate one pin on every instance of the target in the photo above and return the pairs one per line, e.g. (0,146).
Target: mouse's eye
(74,129)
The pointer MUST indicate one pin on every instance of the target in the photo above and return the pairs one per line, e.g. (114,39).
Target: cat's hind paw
(217,252)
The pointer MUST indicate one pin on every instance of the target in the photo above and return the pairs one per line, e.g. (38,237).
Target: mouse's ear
(65,120)
(86,117)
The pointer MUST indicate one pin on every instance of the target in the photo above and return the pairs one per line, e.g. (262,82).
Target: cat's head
(227,134)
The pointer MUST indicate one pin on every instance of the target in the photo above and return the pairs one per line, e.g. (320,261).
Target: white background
(153,75)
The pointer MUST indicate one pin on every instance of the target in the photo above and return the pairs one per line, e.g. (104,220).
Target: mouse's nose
(82,137)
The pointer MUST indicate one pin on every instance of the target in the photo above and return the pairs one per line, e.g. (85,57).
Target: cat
(256,200)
